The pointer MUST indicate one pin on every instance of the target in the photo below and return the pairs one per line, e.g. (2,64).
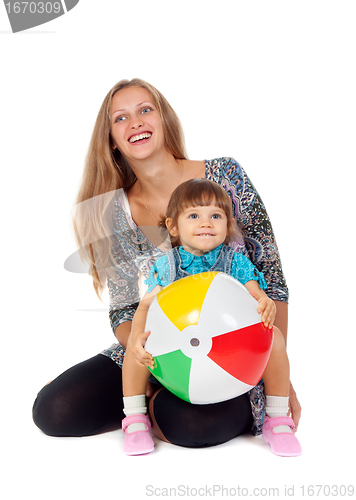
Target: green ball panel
(173,371)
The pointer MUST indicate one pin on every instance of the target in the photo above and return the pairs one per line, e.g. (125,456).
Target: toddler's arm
(266,306)
(137,338)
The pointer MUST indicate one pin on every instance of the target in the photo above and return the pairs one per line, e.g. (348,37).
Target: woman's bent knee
(47,414)
(83,401)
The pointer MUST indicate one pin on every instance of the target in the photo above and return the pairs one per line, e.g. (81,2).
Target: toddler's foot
(284,444)
(137,442)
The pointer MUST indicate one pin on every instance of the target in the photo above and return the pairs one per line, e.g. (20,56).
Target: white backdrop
(271,84)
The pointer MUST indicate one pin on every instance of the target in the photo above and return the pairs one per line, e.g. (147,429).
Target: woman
(137,145)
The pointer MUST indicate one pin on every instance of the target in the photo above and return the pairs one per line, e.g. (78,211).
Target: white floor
(89,467)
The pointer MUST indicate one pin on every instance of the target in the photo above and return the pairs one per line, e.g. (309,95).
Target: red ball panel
(243,353)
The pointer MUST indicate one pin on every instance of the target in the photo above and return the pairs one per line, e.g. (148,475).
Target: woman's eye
(146,110)
(119,118)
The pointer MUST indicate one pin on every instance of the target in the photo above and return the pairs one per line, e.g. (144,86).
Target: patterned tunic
(135,254)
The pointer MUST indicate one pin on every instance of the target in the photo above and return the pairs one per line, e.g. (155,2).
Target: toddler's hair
(200,192)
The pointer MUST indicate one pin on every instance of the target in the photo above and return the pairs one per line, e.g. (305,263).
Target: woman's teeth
(136,138)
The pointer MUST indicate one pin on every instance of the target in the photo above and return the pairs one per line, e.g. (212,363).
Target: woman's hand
(136,345)
(295,410)
(266,307)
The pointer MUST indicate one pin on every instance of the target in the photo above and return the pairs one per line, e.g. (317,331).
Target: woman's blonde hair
(199,192)
(105,171)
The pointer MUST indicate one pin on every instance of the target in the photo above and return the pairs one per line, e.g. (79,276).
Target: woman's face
(136,125)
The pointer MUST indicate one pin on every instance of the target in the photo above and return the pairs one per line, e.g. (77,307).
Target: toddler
(199,218)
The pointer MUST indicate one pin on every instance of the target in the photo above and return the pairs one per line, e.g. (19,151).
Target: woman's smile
(140,138)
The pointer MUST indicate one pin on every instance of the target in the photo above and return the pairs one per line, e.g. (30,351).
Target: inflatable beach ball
(207,339)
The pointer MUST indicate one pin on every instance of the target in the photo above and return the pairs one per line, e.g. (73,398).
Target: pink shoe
(284,444)
(138,442)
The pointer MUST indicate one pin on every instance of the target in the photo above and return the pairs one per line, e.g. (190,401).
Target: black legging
(87,400)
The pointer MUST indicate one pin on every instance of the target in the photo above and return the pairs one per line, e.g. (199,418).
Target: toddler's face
(201,229)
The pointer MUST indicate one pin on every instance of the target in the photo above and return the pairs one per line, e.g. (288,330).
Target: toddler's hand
(267,308)
(138,351)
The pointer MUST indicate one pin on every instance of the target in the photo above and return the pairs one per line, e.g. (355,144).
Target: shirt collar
(209,258)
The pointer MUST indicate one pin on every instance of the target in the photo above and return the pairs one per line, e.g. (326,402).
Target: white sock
(134,405)
(277,406)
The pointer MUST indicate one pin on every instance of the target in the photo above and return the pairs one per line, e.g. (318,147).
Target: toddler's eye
(216,216)
(193,216)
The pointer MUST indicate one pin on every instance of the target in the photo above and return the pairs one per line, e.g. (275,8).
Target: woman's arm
(281,319)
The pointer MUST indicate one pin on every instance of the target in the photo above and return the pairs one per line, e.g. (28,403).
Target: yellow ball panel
(181,302)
